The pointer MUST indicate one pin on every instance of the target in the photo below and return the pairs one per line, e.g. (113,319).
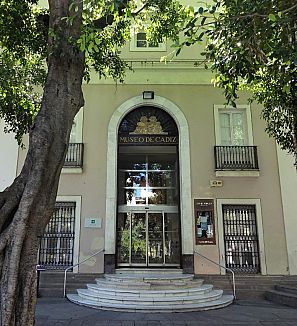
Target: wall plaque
(204,221)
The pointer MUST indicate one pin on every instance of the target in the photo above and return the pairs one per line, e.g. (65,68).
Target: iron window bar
(241,238)
(226,268)
(74,156)
(236,158)
(57,242)
(70,267)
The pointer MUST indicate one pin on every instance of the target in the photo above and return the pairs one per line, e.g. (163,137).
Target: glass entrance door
(148,239)
(155,245)
(148,224)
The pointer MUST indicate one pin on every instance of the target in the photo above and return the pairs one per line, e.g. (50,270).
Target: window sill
(71,170)
(238,174)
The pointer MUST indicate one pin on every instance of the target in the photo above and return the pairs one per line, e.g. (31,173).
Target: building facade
(160,170)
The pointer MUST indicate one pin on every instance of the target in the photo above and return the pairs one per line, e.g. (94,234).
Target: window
(233,126)
(76,131)
(241,238)
(234,150)
(139,42)
(241,241)
(57,242)
(74,157)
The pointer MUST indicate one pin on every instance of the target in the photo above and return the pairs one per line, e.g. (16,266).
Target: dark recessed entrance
(148,219)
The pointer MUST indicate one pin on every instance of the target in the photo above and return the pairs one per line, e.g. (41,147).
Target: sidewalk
(58,311)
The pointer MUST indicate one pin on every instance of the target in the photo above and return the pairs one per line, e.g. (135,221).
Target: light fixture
(148,95)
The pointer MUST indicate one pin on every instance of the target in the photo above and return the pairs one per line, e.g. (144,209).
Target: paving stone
(243,313)
(153,323)
(128,323)
(140,323)
(76,322)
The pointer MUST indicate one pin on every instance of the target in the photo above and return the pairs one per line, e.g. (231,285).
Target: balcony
(74,157)
(236,158)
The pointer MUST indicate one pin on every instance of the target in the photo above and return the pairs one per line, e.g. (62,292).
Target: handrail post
(68,268)
(226,268)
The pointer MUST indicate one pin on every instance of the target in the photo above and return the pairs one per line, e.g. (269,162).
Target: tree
(55,50)
(252,45)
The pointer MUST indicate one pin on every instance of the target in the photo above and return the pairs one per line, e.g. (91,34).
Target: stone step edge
(283,294)
(153,277)
(212,295)
(286,289)
(148,283)
(201,288)
(148,271)
(224,301)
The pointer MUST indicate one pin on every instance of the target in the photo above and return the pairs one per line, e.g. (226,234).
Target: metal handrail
(226,268)
(80,262)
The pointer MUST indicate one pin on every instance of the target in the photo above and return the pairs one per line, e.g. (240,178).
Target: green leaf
(272,17)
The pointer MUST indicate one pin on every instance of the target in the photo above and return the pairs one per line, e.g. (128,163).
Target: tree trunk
(27,205)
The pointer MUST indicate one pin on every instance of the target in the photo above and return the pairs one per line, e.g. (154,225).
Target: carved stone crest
(147,126)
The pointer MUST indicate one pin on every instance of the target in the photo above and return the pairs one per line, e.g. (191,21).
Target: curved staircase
(145,291)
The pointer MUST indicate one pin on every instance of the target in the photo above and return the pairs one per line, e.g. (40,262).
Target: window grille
(241,238)
(74,157)
(57,242)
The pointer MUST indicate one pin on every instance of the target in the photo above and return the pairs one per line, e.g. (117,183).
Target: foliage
(23,49)
(25,40)
(252,45)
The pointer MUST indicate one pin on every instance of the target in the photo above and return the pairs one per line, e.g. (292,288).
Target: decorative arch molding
(184,162)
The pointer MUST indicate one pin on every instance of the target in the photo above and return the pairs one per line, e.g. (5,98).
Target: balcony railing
(74,157)
(236,158)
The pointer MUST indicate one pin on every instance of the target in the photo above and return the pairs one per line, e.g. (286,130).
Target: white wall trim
(255,202)
(252,174)
(288,183)
(184,160)
(77,200)
(242,107)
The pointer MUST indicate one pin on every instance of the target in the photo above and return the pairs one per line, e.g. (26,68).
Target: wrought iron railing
(74,157)
(224,267)
(73,266)
(236,158)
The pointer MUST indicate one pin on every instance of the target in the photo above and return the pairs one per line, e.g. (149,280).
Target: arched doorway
(148,200)
(186,209)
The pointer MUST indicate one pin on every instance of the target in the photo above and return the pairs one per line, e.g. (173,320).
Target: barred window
(241,238)
(57,242)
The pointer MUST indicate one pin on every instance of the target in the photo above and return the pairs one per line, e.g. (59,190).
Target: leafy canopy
(106,26)
(252,45)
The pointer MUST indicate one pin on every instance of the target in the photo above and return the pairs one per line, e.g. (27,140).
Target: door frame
(186,209)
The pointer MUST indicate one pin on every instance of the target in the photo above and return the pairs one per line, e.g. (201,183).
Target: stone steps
(143,293)
(283,294)
(150,278)
(158,271)
(249,286)
(223,301)
(150,292)
(149,299)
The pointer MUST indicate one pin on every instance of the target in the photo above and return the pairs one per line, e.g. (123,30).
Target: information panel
(204,221)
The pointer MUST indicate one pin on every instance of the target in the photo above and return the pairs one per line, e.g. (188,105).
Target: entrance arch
(187,237)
